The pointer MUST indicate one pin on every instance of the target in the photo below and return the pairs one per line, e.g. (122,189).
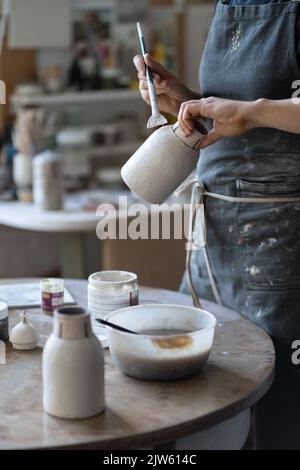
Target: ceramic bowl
(152,356)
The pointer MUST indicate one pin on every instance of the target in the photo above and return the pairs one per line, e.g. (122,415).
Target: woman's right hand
(170,91)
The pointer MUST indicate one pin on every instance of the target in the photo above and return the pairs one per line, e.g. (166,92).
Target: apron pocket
(269,188)
(268,236)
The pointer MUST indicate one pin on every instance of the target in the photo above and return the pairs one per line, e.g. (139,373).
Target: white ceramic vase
(22,170)
(73,367)
(47,181)
(163,162)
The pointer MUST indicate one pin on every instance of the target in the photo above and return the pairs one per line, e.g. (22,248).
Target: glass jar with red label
(52,294)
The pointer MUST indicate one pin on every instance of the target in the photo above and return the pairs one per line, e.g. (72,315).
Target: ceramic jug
(73,367)
(163,162)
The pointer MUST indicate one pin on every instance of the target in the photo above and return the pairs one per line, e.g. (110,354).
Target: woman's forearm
(279,114)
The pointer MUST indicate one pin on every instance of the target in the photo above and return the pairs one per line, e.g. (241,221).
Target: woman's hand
(230,118)
(171,93)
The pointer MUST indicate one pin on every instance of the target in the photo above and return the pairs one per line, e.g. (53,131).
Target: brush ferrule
(153,99)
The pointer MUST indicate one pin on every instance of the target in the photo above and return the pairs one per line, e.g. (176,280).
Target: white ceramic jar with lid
(24,335)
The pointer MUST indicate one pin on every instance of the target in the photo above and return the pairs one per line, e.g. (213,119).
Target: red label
(52,301)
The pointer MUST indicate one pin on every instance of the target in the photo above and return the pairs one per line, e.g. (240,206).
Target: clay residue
(176,342)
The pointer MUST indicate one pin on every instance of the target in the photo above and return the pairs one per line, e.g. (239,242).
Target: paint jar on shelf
(109,291)
(73,145)
(52,294)
(47,182)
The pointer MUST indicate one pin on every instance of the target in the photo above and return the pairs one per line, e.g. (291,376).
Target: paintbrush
(116,327)
(156,119)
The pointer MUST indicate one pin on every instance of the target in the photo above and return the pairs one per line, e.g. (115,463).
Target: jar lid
(117,278)
(73,137)
(52,285)
(3,310)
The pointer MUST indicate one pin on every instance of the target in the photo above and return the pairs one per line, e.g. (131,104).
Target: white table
(72,224)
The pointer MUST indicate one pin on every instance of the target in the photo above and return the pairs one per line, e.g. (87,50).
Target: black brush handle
(116,327)
(144,52)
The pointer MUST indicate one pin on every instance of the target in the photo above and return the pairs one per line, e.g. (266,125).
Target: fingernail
(136,61)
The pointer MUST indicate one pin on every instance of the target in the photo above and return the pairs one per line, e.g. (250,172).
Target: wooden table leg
(73,256)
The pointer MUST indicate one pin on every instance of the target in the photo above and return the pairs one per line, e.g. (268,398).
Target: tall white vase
(73,367)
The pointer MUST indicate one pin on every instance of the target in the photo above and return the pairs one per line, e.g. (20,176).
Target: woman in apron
(250,168)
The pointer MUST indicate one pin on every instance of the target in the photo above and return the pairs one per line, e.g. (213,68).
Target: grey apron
(254,248)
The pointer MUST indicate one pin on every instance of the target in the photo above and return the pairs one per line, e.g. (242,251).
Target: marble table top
(73,218)
(26,216)
(138,413)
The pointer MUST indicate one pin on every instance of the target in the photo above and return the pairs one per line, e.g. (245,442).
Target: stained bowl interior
(163,316)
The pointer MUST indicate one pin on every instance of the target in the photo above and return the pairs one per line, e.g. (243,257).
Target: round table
(138,413)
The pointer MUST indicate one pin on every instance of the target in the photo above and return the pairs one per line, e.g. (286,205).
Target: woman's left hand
(230,118)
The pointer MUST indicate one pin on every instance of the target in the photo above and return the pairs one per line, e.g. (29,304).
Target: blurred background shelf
(76,98)
(116,150)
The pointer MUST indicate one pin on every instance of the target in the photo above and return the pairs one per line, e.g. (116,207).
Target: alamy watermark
(296,93)
(141,221)
(296,354)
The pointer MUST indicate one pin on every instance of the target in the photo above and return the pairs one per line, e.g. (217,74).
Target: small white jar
(24,335)
(111,290)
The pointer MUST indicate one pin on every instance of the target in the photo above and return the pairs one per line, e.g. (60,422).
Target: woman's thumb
(211,138)
(139,62)
(155,66)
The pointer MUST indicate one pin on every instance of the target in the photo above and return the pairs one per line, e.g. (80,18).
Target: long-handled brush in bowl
(156,119)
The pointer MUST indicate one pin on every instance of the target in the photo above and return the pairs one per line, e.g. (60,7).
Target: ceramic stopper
(24,336)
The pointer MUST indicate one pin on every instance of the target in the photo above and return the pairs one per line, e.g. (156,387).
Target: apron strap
(198,240)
